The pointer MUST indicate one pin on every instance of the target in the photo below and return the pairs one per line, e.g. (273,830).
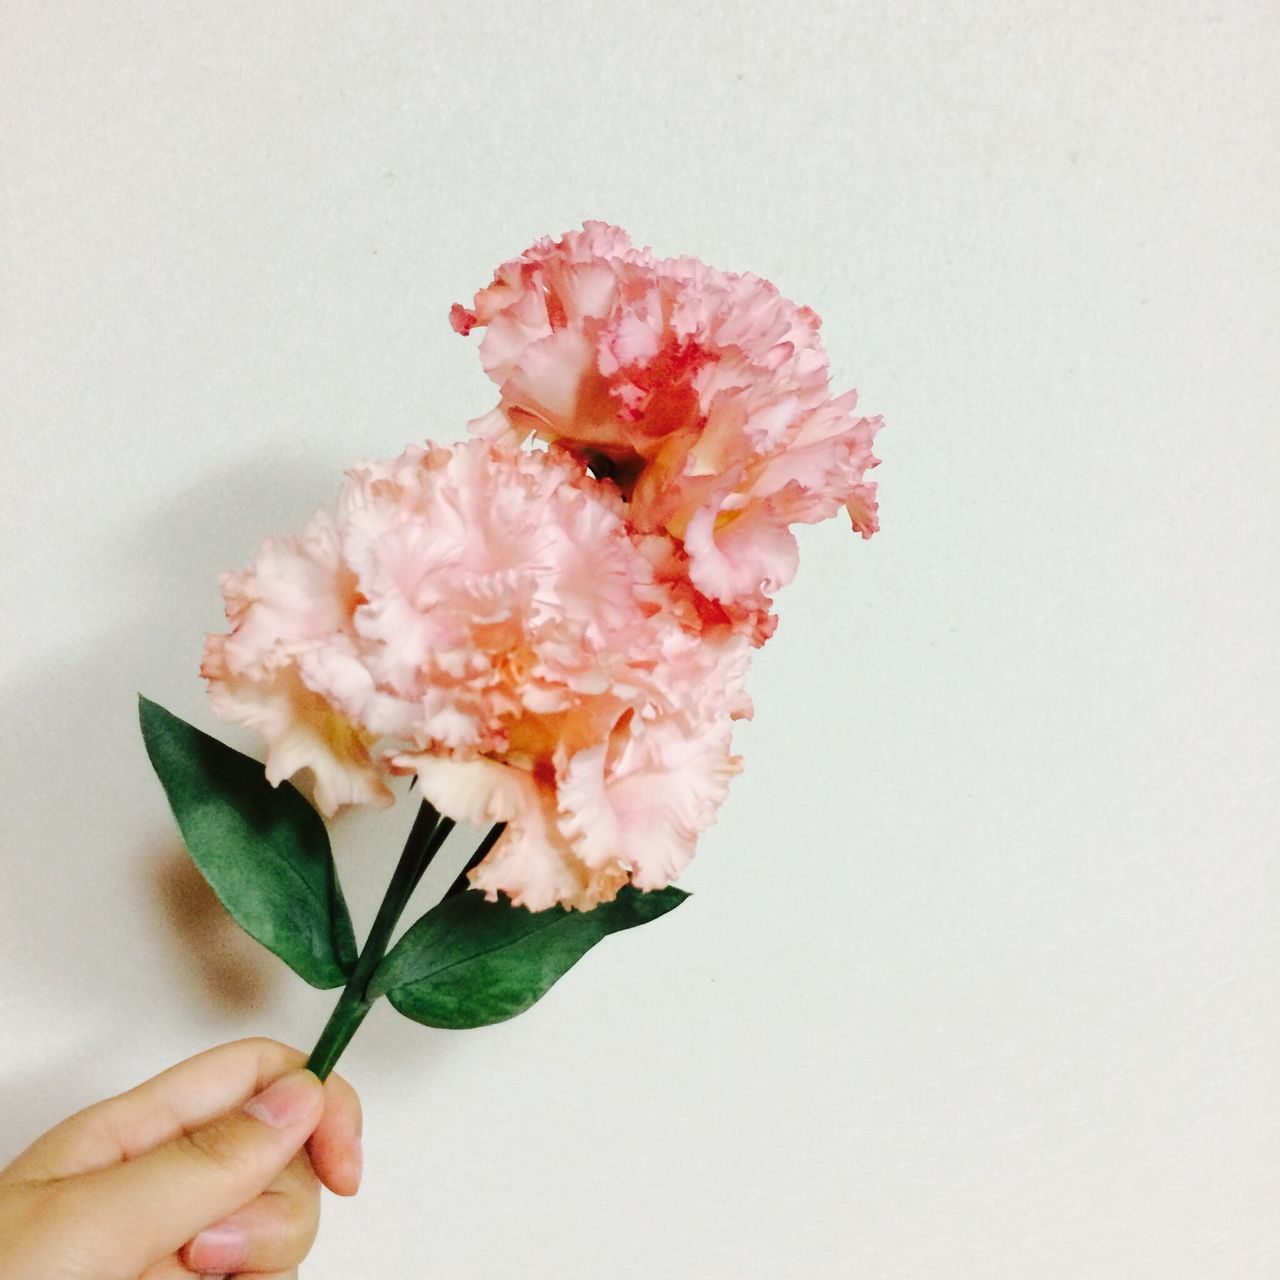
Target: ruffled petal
(488,620)
(703,392)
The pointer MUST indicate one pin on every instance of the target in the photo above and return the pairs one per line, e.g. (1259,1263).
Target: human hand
(213,1167)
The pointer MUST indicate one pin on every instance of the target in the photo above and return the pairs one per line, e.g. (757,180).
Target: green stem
(347,1015)
(476,859)
(428,834)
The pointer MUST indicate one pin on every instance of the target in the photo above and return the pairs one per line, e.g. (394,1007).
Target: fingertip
(348,1170)
(339,1166)
(335,1147)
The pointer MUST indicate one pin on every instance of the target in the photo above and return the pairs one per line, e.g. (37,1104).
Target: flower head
(704,394)
(486,619)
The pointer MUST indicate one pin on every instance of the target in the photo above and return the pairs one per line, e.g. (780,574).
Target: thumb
(134,1213)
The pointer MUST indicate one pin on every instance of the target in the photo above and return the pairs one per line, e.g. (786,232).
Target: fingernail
(356,1162)
(221,1248)
(284,1103)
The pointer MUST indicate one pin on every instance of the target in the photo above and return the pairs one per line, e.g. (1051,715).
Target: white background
(980,976)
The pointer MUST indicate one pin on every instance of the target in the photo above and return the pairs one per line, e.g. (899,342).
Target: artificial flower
(703,394)
(486,619)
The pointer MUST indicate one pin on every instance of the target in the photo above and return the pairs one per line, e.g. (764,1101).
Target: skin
(214,1167)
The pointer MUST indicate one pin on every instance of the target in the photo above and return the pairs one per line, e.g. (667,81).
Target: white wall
(980,977)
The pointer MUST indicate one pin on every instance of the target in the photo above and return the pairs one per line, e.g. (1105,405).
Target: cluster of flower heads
(558,639)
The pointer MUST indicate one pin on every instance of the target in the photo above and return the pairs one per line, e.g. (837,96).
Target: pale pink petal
(302,733)
(477,792)
(705,387)
(748,555)
(646,807)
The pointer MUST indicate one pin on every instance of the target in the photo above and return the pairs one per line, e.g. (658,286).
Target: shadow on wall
(227,967)
(106,928)
(108,933)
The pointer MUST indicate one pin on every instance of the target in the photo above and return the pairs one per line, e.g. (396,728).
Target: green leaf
(264,849)
(469,963)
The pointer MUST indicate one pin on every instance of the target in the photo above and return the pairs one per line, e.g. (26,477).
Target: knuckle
(263,1044)
(54,1205)
(298,1223)
(272,1052)
(38,1210)
(305,1205)
(217,1145)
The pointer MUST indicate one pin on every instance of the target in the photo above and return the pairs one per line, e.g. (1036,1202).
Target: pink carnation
(484,618)
(704,394)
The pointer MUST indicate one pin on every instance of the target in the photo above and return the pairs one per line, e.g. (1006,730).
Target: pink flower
(485,618)
(297,599)
(704,394)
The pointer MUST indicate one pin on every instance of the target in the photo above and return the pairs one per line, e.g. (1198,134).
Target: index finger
(184,1098)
